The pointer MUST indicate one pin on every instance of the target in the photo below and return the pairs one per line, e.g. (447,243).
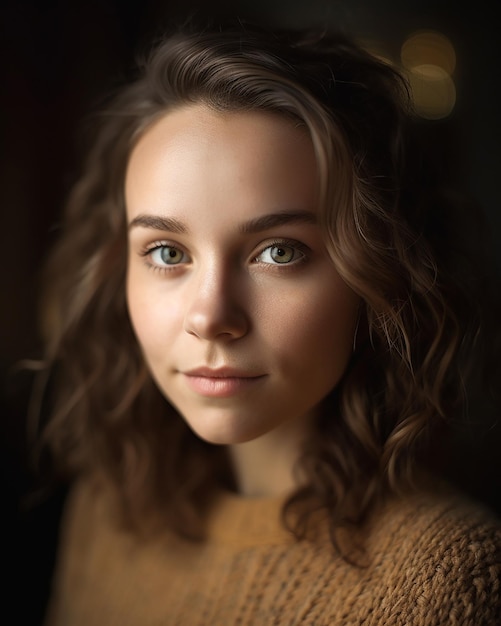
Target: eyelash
(297,246)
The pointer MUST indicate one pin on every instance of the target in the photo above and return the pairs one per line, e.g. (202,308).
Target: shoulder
(443,551)
(441,517)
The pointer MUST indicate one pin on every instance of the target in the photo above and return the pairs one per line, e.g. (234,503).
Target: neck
(266,466)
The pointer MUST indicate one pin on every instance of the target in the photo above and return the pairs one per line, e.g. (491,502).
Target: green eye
(280,254)
(171,256)
(167,255)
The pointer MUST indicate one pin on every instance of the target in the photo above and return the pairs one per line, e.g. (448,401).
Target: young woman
(254,336)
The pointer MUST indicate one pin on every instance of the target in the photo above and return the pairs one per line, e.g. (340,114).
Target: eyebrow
(158,222)
(277,219)
(255,225)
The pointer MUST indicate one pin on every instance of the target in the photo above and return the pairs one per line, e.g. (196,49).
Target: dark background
(57,59)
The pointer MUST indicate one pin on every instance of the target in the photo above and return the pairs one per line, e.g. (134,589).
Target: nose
(215,310)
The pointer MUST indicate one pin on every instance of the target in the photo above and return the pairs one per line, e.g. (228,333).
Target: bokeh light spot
(428,48)
(433,91)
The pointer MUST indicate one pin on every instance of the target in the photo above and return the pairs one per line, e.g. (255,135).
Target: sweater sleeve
(468,576)
(445,563)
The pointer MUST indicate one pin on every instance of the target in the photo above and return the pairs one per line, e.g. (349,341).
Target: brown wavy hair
(406,375)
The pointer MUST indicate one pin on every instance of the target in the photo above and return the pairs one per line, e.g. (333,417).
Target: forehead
(194,154)
(203,123)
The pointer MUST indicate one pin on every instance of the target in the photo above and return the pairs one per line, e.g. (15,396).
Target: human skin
(242,318)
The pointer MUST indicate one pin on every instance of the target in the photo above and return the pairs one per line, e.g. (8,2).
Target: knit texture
(433,560)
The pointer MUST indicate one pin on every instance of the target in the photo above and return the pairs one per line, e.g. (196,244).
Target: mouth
(221,382)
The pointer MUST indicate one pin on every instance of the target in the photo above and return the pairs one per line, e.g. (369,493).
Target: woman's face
(241,316)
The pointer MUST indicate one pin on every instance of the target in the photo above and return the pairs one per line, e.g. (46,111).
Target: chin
(224,438)
(225,433)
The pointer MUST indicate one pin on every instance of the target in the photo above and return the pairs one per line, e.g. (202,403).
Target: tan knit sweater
(435,560)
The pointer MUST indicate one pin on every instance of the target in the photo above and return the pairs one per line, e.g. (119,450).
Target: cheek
(312,330)
(153,314)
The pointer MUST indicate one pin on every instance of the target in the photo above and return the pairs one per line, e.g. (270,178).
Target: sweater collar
(247,521)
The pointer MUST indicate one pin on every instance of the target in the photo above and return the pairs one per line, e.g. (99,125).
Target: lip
(221,382)
(220,372)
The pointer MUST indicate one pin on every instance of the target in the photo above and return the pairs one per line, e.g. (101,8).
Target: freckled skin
(269,304)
